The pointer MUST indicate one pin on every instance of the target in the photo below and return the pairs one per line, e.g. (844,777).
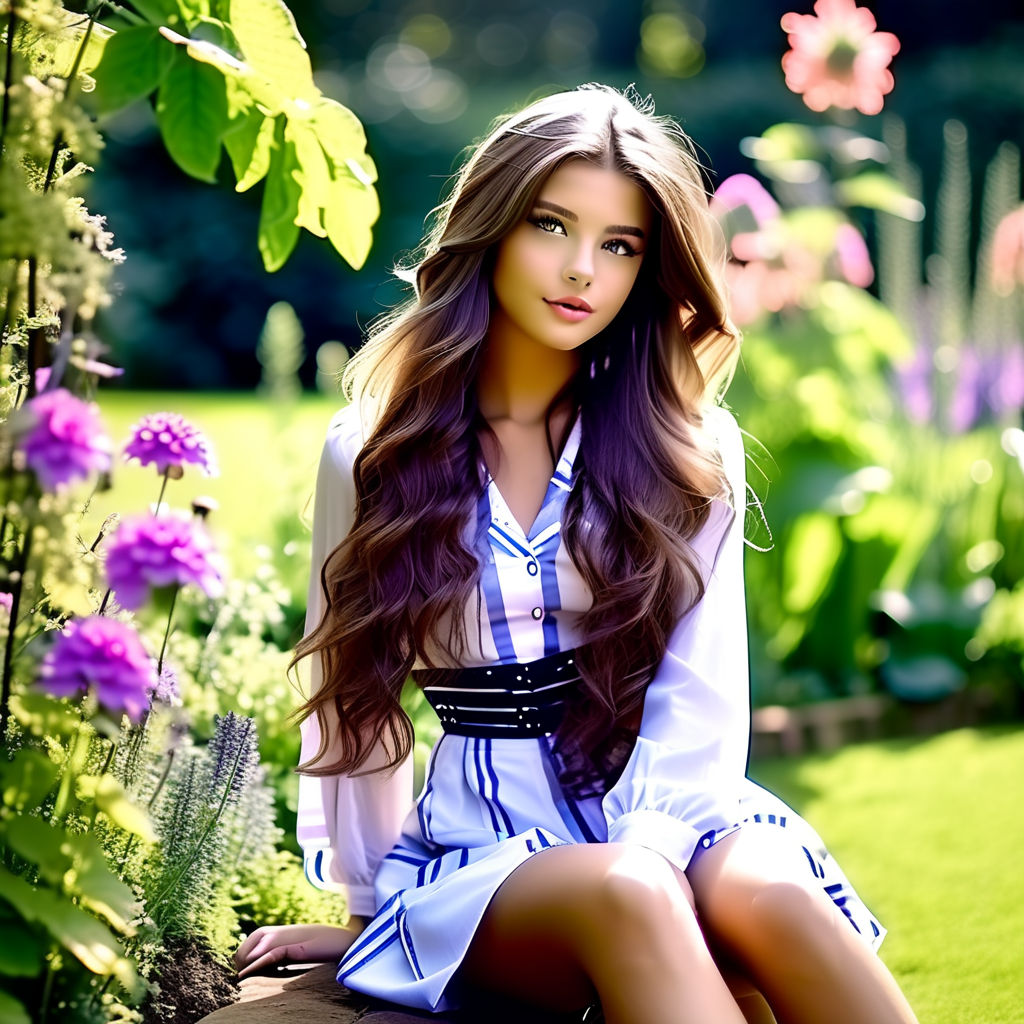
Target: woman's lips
(570,308)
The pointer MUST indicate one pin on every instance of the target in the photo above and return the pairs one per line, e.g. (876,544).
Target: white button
(537,613)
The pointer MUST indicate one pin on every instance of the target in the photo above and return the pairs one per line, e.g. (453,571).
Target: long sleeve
(346,824)
(684,776)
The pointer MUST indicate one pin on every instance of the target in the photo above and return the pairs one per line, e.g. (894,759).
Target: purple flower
(6,602)
(160,551)
(103,655)
(64,439)
(167,439)
(165,688)
(234,755)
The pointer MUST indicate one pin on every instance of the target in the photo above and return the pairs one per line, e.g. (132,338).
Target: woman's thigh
(558,913)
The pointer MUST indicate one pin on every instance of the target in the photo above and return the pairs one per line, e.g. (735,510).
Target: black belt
(510,701)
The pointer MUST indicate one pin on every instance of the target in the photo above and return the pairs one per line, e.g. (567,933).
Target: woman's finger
(267,959)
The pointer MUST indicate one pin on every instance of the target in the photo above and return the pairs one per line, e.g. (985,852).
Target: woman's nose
(579,271)
(579,276)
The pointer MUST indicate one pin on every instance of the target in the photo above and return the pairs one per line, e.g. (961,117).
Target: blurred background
(426,77)
(883,370)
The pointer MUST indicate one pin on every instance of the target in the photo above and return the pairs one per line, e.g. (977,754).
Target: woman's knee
(639,885)
(745,910)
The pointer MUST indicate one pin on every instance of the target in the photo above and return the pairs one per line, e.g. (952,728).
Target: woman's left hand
(295,943)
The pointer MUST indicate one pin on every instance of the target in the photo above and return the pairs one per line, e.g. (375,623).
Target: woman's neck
(518,381)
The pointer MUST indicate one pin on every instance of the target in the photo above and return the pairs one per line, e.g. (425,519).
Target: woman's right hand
(295,943)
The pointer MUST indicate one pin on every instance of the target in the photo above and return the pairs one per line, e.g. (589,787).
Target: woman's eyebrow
(612,229)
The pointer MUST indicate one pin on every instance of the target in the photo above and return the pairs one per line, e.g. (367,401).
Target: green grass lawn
(931,832)
(267,454)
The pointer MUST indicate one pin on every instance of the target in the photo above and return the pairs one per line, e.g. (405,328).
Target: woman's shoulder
(345,437)
(724,432)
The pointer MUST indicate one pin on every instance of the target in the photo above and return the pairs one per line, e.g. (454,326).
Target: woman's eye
(618,247)
(552,225)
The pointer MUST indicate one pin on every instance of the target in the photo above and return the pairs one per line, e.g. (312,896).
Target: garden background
(878,273)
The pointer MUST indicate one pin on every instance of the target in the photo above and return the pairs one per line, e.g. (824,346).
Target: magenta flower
(837,58)
(160,551)
(167,439)
(103,655)
(62,439)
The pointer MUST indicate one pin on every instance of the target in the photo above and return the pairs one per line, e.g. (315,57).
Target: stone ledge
(306,996)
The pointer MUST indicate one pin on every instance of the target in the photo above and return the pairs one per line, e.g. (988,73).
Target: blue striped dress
(424,869)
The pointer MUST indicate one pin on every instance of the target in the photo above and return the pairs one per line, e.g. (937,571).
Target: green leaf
(351,211)
(278,231)
(39,843)
(343,139)
(191,109)
(878,191)
(96,885)
(87,939)
(809,558)
(113,801)
(26,780)
(44,715)
(256,86)
(250,147)
(313,176)
(11,1011)
(134,64)
(157,12)
(21,954)
(272,46)
(67,42)
(781,145)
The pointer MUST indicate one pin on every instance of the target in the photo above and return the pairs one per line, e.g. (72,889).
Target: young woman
(534,507)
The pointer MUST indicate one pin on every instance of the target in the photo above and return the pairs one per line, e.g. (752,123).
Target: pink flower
(852,256)
(167,439)
(62,439)
(744,190)
(1008,253)
(103,655)
(837,58)
(160,551)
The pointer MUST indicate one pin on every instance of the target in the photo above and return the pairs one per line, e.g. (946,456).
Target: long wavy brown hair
(397,586)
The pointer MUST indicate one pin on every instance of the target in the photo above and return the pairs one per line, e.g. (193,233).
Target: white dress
(426,869)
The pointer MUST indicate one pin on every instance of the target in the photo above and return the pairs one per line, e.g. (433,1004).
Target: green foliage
(893,528)
(236,74)
(275,890)
(117,836)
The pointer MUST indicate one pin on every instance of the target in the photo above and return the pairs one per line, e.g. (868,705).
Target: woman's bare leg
(602,917)
(756,901)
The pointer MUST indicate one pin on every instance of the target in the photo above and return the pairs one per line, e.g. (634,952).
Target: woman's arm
(684,776)
(345,824)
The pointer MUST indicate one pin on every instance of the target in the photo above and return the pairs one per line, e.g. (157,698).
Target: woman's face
(563,273)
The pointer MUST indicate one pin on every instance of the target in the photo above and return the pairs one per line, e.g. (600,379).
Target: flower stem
(75,761)
(5,116)
(163,487)
(58,142)
(44,1003)
(167,633)
(18,580)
